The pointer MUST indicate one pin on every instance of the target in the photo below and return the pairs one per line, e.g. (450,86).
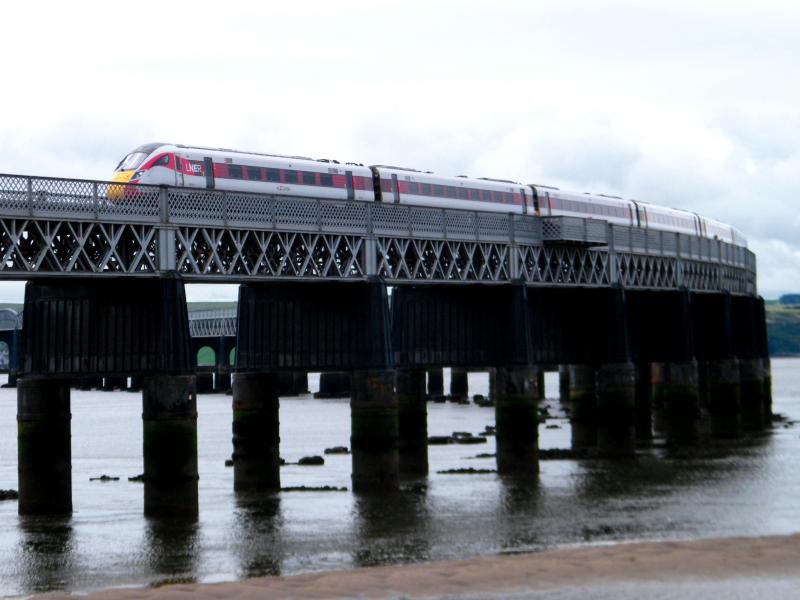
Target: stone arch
(206,356)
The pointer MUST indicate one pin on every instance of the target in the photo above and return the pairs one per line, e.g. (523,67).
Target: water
(748,487)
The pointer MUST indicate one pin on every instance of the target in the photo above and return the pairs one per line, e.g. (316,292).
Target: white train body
(220,169)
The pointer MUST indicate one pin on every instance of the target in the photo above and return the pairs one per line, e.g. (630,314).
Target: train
(233,170)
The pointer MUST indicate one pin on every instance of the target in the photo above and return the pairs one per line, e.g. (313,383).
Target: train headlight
(137,175)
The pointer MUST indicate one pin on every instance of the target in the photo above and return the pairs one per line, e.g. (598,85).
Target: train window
(413,187)
(235,171)
(462,193)
(474,195)
(290,176)
(254,173)
(451,191)
(438,191)
(273,175)
(326,179)
(425,188)
(309,178)
(162,162)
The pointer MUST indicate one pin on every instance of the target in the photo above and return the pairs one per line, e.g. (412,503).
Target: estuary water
(748,486)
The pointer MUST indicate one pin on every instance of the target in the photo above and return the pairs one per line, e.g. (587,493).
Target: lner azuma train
(221,169)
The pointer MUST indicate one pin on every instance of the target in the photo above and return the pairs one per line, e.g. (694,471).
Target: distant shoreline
(685,561)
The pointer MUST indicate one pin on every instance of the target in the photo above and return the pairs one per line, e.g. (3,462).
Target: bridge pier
(374,432)
(222,381)
(44,452)
(136,383)
(563,384)
(643,402)
(676,389)
(516,419)
(170,445)
(333,385)
(114,383)
(435,382)
(750,339)
(616,399)
(583,406)
(256,432)
(412,413)
(205,382)
(459,383)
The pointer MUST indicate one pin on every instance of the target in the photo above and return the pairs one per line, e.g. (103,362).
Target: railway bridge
(635,320)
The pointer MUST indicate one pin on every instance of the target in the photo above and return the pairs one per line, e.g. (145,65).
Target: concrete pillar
(767,389)
(412,414)
(205,382)
(722,395)
(136,383)
(333,385)
(44,454)
(459,383)
(516,419)
(435,382)
(374,432)
(563,384)
(616,393)
(754,405)
(583,406)
(300,383)
(540,384)
(170,444)
(675,387)
(643,402)
(222,381)
(256,432)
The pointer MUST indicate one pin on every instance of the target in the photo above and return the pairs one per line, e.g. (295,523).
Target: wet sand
(688,565)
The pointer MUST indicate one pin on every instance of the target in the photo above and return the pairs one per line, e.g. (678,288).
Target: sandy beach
(577,571)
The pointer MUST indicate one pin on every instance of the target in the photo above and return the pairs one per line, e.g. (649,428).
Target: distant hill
(789,299)
(783,329)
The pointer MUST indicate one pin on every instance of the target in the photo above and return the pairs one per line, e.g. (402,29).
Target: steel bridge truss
(61,227)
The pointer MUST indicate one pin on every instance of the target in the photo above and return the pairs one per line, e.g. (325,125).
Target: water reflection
(172,549)
(257,534)
(519,512)
(47,559)
(391,528)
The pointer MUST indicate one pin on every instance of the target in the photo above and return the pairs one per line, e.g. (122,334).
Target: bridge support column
(583,406)
(256,432)
(616,394)
(115,383)
(643,402)
(44,446)
(333,385)
(170,445)
(435,382)
(767,389)
(374,432)
(412,411)
(205,382)
(675,387)
(517,420)
(222,381)
(722,391)
(136,383)
(753,384)
(563,384)
(459,383)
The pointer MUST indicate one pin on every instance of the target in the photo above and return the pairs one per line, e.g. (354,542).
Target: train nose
(117,192)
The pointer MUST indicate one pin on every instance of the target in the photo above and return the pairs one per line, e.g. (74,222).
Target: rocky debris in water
(481,400)
(310,488)
(337,450)
(9,494)
(104,477)
(137,478)
(565,453)
(553,427)
(458,399)
(482,455)
(779,418)
(489,430)
(415,488)
(467,471)
(544,412)
(439,440)
(311,461)
(438,398)
(465,437)
(229,462)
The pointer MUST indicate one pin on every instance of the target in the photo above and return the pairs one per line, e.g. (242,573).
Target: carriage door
(180,165)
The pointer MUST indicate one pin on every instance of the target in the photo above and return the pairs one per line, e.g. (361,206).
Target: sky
(691,104)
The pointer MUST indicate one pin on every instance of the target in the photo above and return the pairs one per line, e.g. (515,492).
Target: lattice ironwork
(563,265)
(642,271)
(213,323)
(432,260)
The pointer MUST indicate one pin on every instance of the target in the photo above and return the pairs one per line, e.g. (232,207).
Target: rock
(311,461)
(565,454)
(553,427)
(472,439)
(104,478)
(438,398)
(281,461)
(415,488)
(9,495)
(337,450)
(484,455)
(461,434)
(467,471)
(439,440)
(137,478)
(483,401)
(323,488)
(229,462)
(544,412)
(489,430)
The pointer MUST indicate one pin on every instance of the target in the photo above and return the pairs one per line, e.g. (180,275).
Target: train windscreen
(132,161)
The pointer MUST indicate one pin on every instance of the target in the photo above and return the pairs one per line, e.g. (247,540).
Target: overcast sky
(692,104)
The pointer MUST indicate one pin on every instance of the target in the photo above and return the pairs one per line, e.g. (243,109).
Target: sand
(642,563)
